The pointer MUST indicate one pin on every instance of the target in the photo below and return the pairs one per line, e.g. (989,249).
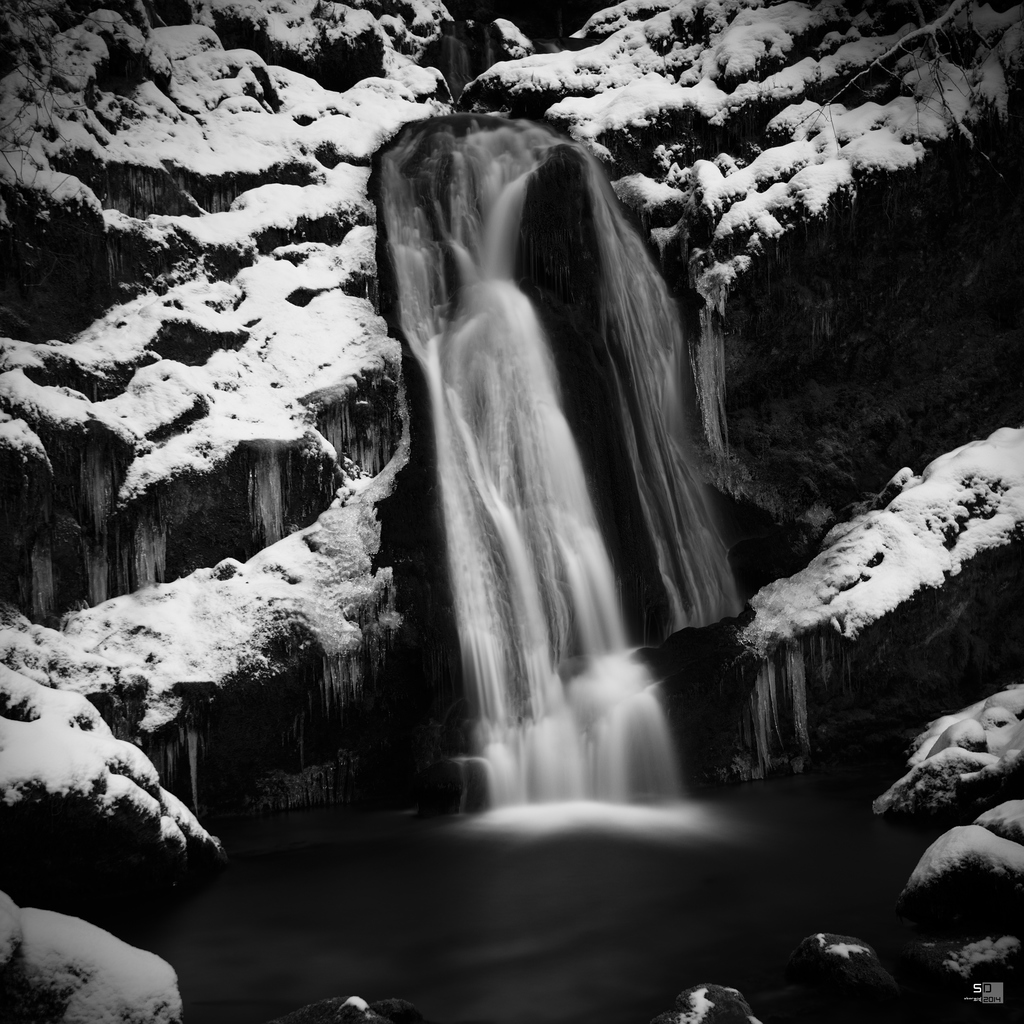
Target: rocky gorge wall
(221,519)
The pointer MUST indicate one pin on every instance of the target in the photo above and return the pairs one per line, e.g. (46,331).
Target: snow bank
(63,968)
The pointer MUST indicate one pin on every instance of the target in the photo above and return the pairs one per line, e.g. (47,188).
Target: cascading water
(533,583)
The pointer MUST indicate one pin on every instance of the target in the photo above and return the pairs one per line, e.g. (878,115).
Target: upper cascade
(533,583)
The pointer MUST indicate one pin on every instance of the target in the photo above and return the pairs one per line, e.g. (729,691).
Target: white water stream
(533,584)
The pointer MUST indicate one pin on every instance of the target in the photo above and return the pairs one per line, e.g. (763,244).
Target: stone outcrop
(967,875)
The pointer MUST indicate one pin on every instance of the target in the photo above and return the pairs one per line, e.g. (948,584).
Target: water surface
(564,914)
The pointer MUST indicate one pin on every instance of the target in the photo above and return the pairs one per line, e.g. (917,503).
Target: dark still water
(552,915)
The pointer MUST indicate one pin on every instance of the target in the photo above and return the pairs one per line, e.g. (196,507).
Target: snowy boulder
(933,787)
(951,962)
(708,1004)
(968,873)
(1006,820)
(81,811)
(962,758)
(63,969)
(353,1010)
(843,964)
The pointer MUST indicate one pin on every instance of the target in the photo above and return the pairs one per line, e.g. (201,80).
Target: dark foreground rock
(952,961)
(709,1004)
(967,874)
(843,964)
(353,1010)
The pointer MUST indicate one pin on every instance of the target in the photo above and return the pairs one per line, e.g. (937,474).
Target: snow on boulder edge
(63,969)
(84,812)
(968,873)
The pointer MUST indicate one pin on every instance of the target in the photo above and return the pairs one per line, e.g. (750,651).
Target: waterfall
(563,712)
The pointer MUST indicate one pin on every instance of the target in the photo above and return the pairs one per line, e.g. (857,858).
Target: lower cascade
(563,712)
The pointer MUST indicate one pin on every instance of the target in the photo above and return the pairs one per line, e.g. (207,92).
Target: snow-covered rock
(81,810)
(961,758)
(951,962)
(63,969)
(353,1010)
(968,874)
(1005,820)
(708,1004)
(965,502)
(933,787)
(843,964)
(214,376)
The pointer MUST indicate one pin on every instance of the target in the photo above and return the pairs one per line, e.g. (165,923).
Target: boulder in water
(708,1004)
(841,963)
(934,786)
(968,873)
(353,1010)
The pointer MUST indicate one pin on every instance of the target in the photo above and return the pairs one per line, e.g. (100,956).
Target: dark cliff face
(882,335)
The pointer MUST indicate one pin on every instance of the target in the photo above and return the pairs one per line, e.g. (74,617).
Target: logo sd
(986,992)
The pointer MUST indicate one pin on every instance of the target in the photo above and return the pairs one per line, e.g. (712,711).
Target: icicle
(266,498)
(150,551)
(760,710)
(796,675)
(96,572)
(709,378)
(192,738)
(362,427)
(97,479)
(42,576)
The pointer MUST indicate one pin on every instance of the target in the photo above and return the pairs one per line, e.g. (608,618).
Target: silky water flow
(532,580)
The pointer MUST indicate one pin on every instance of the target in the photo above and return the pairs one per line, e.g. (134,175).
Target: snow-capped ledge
(965,502)
(81,810)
